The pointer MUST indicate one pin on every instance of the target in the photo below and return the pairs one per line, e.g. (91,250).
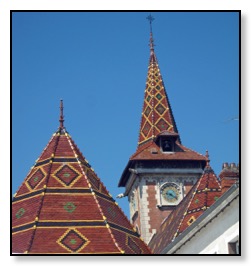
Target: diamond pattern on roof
(73,241)
(159,96)
(162,125)
(147,111)
(69,207)
(156,99)
(160,108)
(20,213)
(66,175)
(72,212)
(36,178)
(146,128)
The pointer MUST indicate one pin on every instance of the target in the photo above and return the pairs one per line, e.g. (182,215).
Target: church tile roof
(62,207)
(157,121)
(151,151)
(157,116)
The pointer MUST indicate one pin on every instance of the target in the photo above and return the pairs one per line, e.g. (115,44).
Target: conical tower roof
(157,122)
(63,207)
(205,193)
(157,116)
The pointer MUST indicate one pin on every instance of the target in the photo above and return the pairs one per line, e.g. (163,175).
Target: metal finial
(207,156)
(151,19)
(61,118)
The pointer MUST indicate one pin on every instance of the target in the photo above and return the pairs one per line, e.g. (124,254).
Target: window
(233,247)
(166,145)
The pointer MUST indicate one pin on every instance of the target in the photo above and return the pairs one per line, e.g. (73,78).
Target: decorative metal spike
(151,19)
(61,118)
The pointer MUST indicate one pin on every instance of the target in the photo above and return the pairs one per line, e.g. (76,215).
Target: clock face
(170,193)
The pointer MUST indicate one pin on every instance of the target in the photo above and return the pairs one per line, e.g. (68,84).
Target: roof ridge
(193,192)
(107,222)
(36,161)
(44,187)
(61,181)
(199,198)
(94,195)
(142,148)
(191,150)
(216,178)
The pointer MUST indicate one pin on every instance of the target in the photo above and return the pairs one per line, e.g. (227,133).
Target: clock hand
(170,194)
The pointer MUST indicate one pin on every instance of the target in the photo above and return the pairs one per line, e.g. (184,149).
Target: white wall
(214,238)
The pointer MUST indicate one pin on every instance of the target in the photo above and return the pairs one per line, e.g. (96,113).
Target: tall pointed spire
(157,116)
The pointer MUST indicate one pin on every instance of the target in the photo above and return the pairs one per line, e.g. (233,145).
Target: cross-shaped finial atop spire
(151,19)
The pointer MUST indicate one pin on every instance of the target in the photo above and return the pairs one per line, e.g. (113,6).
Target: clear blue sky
(97,63)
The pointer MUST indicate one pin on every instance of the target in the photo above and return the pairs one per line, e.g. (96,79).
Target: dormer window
(167,142)
(166,145)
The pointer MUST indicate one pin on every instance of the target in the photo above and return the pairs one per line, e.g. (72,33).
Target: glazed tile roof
(157,116)
(157,121)
(63,207)
(151,151)
(203,194)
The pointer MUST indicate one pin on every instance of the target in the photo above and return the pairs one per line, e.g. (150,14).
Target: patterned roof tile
(63,207)
(157,114)
(204,193)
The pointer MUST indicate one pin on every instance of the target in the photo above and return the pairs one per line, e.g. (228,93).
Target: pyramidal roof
(62,207)
(205,193)
(157,116)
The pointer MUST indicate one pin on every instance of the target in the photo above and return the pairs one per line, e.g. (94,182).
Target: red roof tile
(157,114)
(204,193)
(145,152)
(63,207)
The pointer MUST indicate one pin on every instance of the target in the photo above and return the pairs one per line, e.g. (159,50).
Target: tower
(161,171)
(201,197)
(62,207)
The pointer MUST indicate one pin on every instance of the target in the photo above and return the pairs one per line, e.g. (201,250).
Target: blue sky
(97,63)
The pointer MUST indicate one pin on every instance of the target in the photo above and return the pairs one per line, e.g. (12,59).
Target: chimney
(229,175)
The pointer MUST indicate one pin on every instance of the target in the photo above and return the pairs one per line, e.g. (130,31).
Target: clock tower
(162,171)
